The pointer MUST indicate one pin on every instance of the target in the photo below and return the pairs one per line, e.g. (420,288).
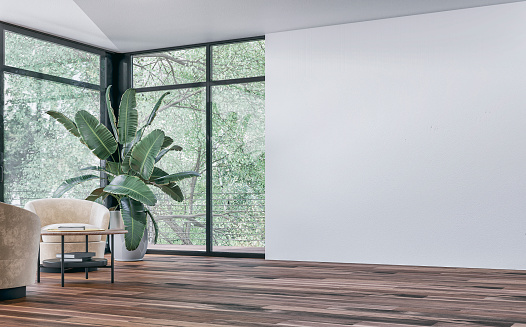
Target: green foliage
(68,123)
(132,187)
(111,114)
(134,217)
(96,193)
(175,177)
(173,190)
(143,155)
(95,135)
(72,182)
(165,151)
(128,117)
(154,111)
(132,169)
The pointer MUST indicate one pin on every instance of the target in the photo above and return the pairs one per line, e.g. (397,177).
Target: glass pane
(238,158)
(182,225)
(39,152)
(49,58)
(169,68)
(238,60)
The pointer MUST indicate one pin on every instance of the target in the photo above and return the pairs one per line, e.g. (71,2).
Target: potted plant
(128,159)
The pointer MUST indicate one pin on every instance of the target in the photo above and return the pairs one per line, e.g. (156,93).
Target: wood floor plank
(184,291)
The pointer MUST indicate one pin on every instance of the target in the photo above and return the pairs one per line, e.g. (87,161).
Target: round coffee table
(97,262)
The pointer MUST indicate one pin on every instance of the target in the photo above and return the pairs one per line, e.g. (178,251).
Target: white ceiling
(132,25)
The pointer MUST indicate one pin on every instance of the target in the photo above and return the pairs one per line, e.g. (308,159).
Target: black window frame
(116,69)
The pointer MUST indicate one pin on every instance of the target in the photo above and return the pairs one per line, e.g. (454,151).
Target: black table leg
(86,269)
(38,264)
(112,255)
(62,259)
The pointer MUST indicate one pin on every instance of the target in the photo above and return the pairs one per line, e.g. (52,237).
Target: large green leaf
(126,149)
(125,165)
(68,184)
(112,168)
(173,190)
(157,172)
(68,123)
(133,187)
(165,151)
(155,109)
(111,113)
(134,218)
(155,226)
(128,117)
(143,153)
(96,193)
(175,177)
(96,136)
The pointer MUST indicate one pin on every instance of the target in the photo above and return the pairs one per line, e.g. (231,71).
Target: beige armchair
(19,238)
(59,212)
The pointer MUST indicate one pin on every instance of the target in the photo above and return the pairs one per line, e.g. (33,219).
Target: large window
(37,76)
(217,90)
(215,112)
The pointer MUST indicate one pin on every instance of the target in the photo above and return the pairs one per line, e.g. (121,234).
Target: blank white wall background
(399,141)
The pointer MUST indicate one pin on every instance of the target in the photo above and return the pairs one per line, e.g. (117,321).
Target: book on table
(71,228)
(78,256)
(77,259)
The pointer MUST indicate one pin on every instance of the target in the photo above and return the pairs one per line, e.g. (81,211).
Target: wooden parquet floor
(201,291)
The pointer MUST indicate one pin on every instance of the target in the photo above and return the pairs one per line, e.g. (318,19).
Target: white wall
(399,141)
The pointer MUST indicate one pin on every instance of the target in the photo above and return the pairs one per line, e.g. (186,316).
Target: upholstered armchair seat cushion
(72,238)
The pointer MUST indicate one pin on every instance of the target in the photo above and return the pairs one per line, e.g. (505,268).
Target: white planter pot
(121,253)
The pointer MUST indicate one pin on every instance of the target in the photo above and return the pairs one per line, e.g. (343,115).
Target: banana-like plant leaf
(155,226)
(125,165)
(155,109)
(167,142)
(157,172)
(129,146)
(95,168)
(68,123)
(176,177)
(165,151)
(173,190)
(133,187)
(134,218)
(128,117)
(143,153)
(96,193)
(96,136)
(68,184)
(111,113)
(112,168)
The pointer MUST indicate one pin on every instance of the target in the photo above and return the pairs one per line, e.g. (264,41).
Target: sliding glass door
(182,117)
(216,93)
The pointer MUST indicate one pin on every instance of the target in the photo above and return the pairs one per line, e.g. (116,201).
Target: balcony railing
(238,219)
